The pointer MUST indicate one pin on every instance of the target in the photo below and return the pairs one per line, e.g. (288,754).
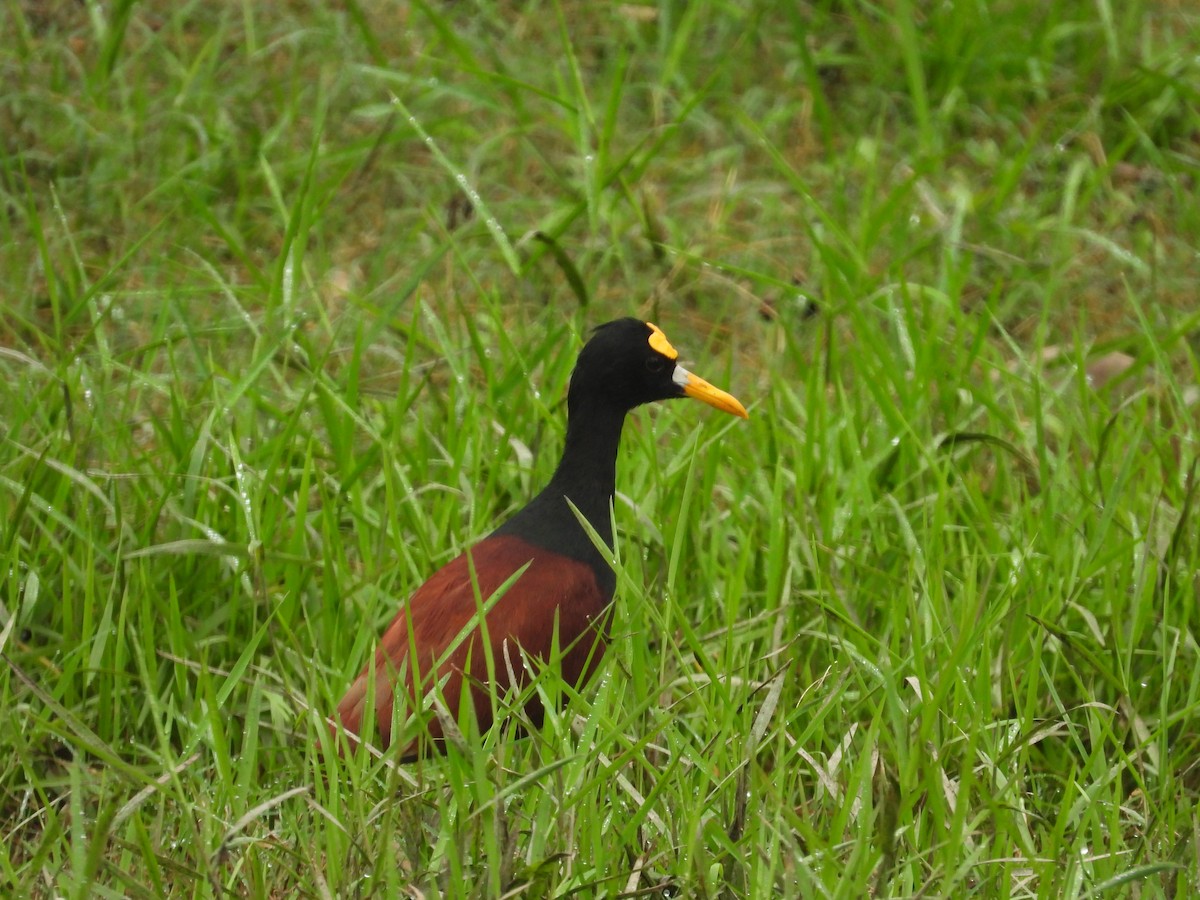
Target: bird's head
(628,362)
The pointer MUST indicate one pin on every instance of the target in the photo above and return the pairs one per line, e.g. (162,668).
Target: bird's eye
(654,364)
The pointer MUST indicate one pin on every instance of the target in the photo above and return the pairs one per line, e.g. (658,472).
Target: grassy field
(290,294)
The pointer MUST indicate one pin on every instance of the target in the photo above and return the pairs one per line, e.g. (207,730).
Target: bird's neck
(586,476)
(587,472)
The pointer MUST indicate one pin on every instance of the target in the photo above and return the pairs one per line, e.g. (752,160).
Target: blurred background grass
(290,297)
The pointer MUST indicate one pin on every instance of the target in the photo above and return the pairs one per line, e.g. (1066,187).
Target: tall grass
(290,298)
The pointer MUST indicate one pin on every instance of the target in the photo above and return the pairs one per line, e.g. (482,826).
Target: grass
(290,297)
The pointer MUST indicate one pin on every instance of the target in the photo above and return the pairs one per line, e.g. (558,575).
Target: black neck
(587,476)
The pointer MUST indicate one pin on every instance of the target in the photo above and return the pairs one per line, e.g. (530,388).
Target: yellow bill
(696,387)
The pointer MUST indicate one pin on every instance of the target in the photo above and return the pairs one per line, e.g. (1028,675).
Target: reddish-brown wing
(553,588)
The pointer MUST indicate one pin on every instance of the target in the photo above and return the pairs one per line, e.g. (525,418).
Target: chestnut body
(552,591)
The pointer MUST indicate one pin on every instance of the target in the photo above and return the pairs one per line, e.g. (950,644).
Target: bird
(538,583)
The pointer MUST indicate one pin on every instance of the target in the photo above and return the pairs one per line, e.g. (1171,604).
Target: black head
(628,362)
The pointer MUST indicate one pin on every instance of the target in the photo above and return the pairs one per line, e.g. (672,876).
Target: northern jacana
(565,582)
